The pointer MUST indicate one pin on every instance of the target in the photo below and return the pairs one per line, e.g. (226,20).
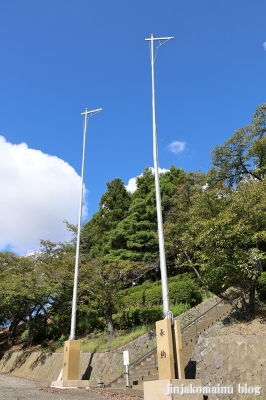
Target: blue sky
(60,57)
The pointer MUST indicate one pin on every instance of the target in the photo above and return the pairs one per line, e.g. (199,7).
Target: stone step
(118,385)
(140,375)
(143,371)
(150,377)
(149,364)
(143,367)
(136,383)
(150,357)
(144,362)
(139,385)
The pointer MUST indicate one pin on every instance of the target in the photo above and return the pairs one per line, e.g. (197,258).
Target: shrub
(179,308)
(185,291)
(182,289)
(90,322)
(45,343)
(139,316)
(153,295)
(25,335)
(149,315)
(59,343)
(182,277)
(126,319)
(261,286)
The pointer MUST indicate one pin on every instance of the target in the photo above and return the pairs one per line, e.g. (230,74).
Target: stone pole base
(70,384)
(174,389)
(69,378)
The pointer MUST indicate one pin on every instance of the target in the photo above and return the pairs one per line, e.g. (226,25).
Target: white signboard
(126,357)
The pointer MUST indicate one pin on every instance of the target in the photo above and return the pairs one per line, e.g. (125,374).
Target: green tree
(56,263)
(244,154)
(100,283)
(135,237)
(23,296)
(220,234)
(114,206)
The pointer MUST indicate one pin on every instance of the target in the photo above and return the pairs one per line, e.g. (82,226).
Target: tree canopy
(244,154)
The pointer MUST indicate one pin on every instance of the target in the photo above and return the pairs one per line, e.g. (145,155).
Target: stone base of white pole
(70,384)
(171,366)
(174,389)
(70,372)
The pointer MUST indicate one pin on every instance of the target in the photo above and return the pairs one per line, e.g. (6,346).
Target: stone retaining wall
(46,366)
(230,361)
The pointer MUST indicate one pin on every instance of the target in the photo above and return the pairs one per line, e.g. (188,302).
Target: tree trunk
(30,337)
(252,293)
(13,331)
(110,327)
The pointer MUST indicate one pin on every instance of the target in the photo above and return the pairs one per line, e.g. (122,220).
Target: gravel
(14,388)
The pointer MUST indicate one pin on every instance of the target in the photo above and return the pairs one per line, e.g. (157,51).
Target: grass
(179,308)
(206,294)
(99,341)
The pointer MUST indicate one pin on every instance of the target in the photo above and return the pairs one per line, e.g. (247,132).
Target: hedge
(180,291)
(137,317)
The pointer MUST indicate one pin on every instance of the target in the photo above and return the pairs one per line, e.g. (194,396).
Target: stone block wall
(237,363)
(46,366)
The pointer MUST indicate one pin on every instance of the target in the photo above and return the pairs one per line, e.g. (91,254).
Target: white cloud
(176,147)
(132,183)
(38,192)
(264,45)
(161,170)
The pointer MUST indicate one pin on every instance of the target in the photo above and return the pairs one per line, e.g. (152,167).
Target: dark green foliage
(137,317)
(125,227)
(149,315)
(185,292)
(60,342)
(100,281)
(44,343)
(135,237)
(89,323)
(261,286)
(114,206)
(149,294)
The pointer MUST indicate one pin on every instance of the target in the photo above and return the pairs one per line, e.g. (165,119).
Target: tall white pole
(165,291)
(87,114)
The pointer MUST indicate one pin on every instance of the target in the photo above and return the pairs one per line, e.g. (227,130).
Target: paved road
(13,388)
